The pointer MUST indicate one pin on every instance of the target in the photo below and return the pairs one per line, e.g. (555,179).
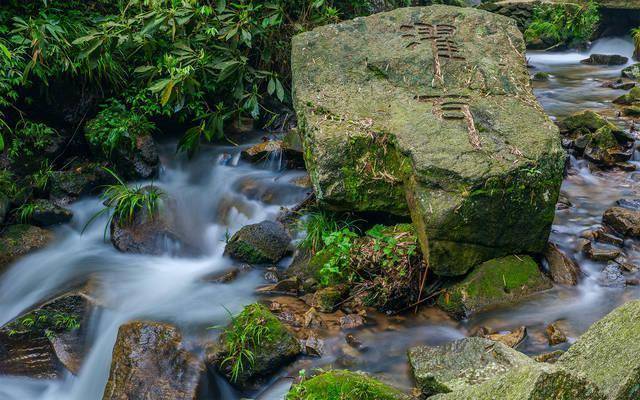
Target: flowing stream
(217,193)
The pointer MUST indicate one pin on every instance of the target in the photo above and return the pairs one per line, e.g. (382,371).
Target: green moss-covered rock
(631,111)
(46,213)
(604,148)
(540,76)
(79,180)
(462,363)
(265,242)
(583,122)
(19,240)
(633,97)
(532,382)
(455,138)
(327,299)
(495,282)
(632,72)
(272,348)
(342,385)
(607,353)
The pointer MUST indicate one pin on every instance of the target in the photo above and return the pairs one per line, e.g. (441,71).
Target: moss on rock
(265,242)
(495,282)
(341,385)
(633,97)
(19,240)
(607,353)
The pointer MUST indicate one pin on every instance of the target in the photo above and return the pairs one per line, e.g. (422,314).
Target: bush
(30,143)
(563,24)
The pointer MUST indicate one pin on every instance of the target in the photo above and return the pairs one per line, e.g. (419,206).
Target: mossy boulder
(583,122)
(46,213)
(342,384)
(605,59)
(19,240)
(495,282)
(531,382)
(540,76)
(462,363)
(274,347)
(262,243)
(632,72)
(633,97)
(149,362)
(79,180)
(607,353)
(327,299)
(394,121)
(604,148)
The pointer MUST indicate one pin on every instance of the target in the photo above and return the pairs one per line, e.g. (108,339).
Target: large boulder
(531,382)
(342,384)
(257,332)
(262,243)
(149,363)
(496,282)
(428,112)
(462,363)
(607,353)
(19,240)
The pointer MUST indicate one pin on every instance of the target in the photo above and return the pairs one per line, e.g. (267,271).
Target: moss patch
(343,385)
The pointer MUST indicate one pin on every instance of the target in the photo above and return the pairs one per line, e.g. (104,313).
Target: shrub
(29,141)
(567,24)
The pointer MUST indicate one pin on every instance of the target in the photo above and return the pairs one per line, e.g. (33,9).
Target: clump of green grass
(25,212)
(319,224)
(126,202)
(635,35)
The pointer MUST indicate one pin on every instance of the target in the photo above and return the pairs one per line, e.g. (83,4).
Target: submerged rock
(19,240)
(605,59)
(462,363)
(429,112)
(562,268)
(342,384)
(262,243)
(149,363)
(495,282)
(623,220)
(555,334)
(277,149)
(272,348)
(531,382)
(607,353)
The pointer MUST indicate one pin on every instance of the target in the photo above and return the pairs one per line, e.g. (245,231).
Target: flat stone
(440,98)
(597,253)
(461,363)
(607,353)
(511,339)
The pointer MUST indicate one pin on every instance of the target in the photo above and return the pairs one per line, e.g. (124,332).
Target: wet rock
(5,203)
(46,213)
(623,220)
(511,339)
(351,321)
(555,334)
(285,286)
(228,275)
(631,111)
(461,363)
(343,384)
(607,353)
(80,180)
(311,319)
(630,98)
(563,203)
(275,347)
(353,341)
(550,357)
(312,346)
(632,72)
(149,362)
(605,237)
(562,268)
(51,336)
(540,76)
(531,382)
(598,253)
(262,243)
(496,282)
(632,282)
(633,204)
(581,123)
(146,234)
(327,299)
(619,84)
(605,59)
(611,276)
(345,91)
(274,149)
(604,148)
(19,240)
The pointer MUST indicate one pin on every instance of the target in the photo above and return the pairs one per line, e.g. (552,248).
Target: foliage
(568,24)
(29,140)
(8,185)
(24,212)
(116,127)
(40,178)
(246,332)
(635,35)
(337,245)
(124,203)
(316,224)
(389,246)
(44,320)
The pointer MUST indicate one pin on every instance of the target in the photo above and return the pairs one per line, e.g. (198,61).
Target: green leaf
(166,93)
(159,85)
(279,90)
(271,87)
(144,69)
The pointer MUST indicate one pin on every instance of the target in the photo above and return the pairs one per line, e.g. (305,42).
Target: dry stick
(432,295)
(423,280)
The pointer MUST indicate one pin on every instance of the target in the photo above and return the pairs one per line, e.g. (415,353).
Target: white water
(211,205)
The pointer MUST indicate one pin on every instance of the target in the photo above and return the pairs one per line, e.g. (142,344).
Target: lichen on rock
(392,121)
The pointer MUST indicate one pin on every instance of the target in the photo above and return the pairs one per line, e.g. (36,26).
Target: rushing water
(217,193)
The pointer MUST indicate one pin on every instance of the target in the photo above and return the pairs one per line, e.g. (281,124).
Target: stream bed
(217,193)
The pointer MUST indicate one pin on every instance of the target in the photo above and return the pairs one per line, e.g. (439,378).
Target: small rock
(600,254)
(550,357)
(562,268)
(19,240)
(312,346)
(512,339)
(312,319)
(632,72)
(633,204)
(353,341)
(630,98)
(351,321)
(555,334)
(285,286)
(632,282)
(605,59)
(623,220)
(540,76)
(326,300)
(262,243)
(605,237)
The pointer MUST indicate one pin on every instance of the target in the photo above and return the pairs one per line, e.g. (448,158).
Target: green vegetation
(24,212)
(635,35)
(30,141)
(125,202)
(44,320)
(319,223)
(563,24)
(343,385)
